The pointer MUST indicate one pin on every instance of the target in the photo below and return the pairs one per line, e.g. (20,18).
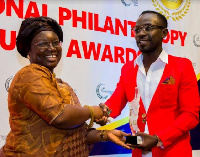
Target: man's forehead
(148,18)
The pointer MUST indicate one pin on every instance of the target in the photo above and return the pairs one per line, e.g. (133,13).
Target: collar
(163,57)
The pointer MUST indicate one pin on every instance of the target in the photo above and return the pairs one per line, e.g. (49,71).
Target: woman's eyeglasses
(46,44)
(147,28)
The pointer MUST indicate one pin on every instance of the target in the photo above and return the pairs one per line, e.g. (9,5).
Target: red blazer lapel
(130,82)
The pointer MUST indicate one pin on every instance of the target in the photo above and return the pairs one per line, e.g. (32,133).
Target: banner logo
(196,40)
(101,91)
(175,9)
(127,3)
(7,83)
(2,139)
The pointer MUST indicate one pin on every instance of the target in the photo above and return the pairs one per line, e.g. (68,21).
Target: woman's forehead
(45,35)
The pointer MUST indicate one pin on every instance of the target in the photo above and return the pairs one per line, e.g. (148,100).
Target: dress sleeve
(39,92)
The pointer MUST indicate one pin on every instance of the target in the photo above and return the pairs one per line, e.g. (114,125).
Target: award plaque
(133,112)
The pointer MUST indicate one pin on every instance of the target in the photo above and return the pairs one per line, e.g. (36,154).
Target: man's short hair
(160,16)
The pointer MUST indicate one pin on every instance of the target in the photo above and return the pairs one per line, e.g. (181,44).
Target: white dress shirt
(147,83)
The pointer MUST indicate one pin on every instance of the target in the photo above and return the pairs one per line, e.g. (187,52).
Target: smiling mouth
(142,42)
(145,40)
(51,56)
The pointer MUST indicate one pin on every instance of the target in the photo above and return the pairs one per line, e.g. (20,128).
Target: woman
(46,118)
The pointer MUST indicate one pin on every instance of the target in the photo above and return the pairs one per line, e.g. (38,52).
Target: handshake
(140,140)
(104,119)
(100,114)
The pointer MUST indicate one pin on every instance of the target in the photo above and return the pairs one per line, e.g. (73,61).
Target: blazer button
(144,120)
(144,115)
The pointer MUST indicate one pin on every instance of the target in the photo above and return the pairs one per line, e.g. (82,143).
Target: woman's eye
(42,43)
(56,43)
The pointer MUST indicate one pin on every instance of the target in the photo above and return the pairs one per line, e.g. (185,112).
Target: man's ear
(165,32)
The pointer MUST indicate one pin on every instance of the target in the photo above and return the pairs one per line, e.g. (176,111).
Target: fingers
(118,137)
(141,134)
(120,134)
(132,146)
(123,145)
(102,121)
(125,134)
(138,133)
(105,109)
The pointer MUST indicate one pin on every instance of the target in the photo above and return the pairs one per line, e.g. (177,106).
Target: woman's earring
(28,57)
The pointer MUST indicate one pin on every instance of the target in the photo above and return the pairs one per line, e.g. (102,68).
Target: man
(167,90)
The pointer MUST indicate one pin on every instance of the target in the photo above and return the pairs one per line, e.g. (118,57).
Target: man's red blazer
(173,110)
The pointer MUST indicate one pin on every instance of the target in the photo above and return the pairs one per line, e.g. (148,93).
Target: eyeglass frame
(145,26)
(47,46)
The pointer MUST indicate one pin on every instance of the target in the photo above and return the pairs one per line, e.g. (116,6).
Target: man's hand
(105,109)
(104,119)
(149,141)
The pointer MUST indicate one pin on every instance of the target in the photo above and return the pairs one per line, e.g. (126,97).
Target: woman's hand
(101,113)
(117,137)
(98,113)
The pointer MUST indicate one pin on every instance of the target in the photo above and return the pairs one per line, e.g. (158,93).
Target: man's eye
(148,28)
(137,30)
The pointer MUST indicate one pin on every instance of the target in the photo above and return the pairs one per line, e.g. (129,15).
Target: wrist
(159,142)
(91,115)
(106,110)
(103,135)
(98,113)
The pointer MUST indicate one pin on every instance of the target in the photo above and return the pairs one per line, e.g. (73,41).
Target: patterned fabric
(35,99)
(2,153)
(74,145)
